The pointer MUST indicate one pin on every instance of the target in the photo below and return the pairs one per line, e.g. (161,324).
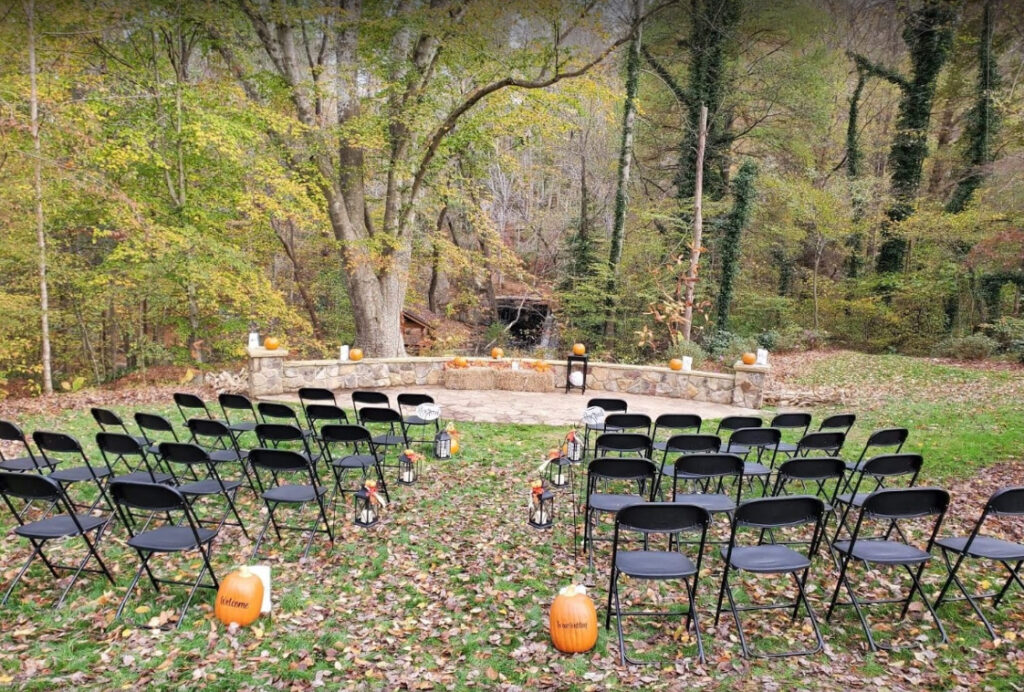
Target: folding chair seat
(120,448)
(605,471)
(888,440)
(409,401)
(246,417)
(59,522)
(628,422)
(649,564)
(889,507)
(762,442)
(155,429)
(827,443)
(181,533)
(208,483)
(730,424)
(275,413)
(768,515)
(279,462)
(1003,504)
(840,422)
(874,474)
(388,430)
(608,406)
(289,436)
(362,398)
(799,421)
(55,447)
(217,439)
(706,474)
(674,424)
(683,444)
(111,422)
(350,448)
(188,404)
(9,432)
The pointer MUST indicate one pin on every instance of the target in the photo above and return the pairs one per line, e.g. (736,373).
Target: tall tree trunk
(983,118)
(698,225)
(622,184)
(37,169)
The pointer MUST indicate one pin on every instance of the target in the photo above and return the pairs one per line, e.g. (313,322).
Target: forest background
(173,171)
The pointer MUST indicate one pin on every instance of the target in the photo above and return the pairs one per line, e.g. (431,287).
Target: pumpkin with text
(239,598)
(573,621)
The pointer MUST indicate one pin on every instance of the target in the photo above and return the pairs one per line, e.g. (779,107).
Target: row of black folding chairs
(876,540)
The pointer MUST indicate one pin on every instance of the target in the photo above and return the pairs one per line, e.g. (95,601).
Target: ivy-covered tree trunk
(855,240)
(729,244)
(622,184)
(982,120)
(711,36)
(928,33)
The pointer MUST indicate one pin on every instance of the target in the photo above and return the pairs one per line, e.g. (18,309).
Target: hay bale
(469,378)
(524,381)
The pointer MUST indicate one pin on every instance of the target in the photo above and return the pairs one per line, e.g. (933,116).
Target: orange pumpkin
(239,598)
(675,364)
(573,620)
(578,349)
(355,354)
(497,352)
(748,358)
(271,343)
(460,361)
(455,446)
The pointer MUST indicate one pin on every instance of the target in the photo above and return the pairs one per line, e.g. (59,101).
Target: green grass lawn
(452,589)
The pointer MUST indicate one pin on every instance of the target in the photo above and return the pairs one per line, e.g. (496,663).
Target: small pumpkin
(573,621)
(460,362)
(579,349)
(675,364)
(455,446)
(748,358)
(239,598)
(271,343)
(497,352)
(355,354)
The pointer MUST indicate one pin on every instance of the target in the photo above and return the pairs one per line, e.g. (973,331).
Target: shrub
(1007,332)
(688,348)
(768,339)
(973,347)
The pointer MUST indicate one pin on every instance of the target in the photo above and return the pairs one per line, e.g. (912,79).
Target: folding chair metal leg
(24,568)
(1014,577)
(92,553)
(620,615)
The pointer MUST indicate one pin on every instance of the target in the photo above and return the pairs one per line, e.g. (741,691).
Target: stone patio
(548,408)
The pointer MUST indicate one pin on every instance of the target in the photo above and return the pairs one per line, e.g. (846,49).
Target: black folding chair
(59,522)
(187,402)
(623,444)
(316,396)
(628,422)
(245,413)
(178,535)
(209,482)
(602,472)
(55,447)
(362,398)
(820,443)
(820,477)
(282,414)
(764,443)
(889,507)
(217,439)
(674,424)
(608,406)
(111,422)
(841,422)
(278,462)
(791,421)
(683,444)
(1007,502)
(412,421)
(650,520)
(350,448)
(763,515)
(874,474)
(706,476)
(9,432)
(125,449)
(731,424)
(388,430)
(155,429)
(888,440)
(322,415)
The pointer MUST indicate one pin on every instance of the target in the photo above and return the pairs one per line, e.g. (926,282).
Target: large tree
(376,94)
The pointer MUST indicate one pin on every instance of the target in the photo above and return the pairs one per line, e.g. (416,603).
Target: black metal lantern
(443,445)
(559,469)
(573,446)
(408,468)
(542,508)
(366,513)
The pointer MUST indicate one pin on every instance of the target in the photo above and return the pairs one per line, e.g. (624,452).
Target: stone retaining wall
(270,372)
